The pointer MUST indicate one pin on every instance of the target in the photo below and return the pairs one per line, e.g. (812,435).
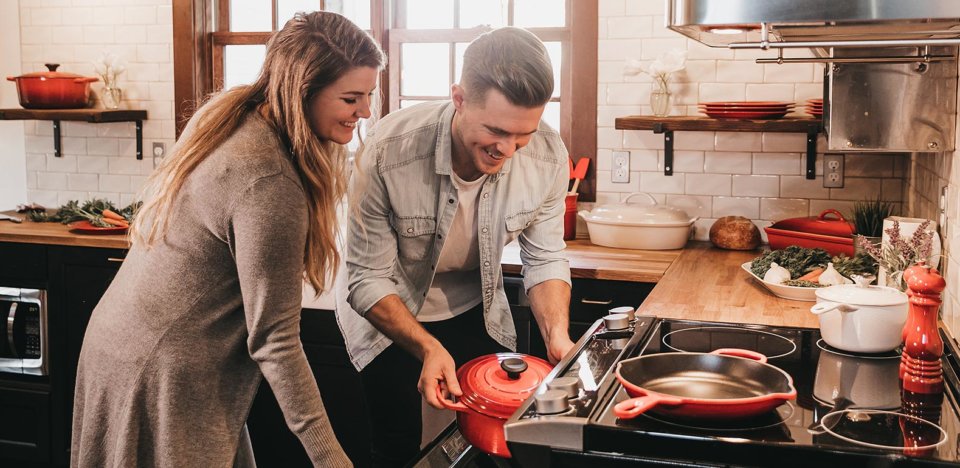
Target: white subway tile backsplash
(721,92)
(127,165)
(702,141)
(732,71)
(780,142)
(693,205)
(727,162)
(51,180)
(98,34)
(132,34)
(655,8)
(645,160)
(640,139)
(36,162)
(698,51)
(65,163)
(68,35)
(47,198)
(708,184)
(44,16)
(93,164)
(628,27)
(801,187)
(112,197)
(870,165)
(35,35)
(756,186)
(653,47)
(605,184)
(114,183)
(818,206)
(656,182)
(736,206)
(770,92)
(106,15)
(776,209)
(85,182)
(65,196)
(776,163)
(737,141)
(153,53)
(619,49)
(788,73)
(140,15)
(687,161)
(611,7)
(621,94)
(103,146)
(857,189)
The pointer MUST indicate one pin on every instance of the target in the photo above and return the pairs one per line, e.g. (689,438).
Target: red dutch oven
(53,89)
(726,384)
(494,386)
(833,234)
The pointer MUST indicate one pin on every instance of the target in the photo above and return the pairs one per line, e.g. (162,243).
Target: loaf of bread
(735,233)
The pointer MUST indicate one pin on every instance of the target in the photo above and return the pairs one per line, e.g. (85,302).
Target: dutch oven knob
(569,385)
(513,367)
(52,66)
(616,322)
(552,402)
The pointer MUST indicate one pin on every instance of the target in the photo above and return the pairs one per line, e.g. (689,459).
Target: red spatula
(579,172)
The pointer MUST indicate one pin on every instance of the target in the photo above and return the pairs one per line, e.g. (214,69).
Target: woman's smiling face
(335,110)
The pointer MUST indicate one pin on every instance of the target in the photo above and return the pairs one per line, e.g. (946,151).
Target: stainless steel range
(849,409)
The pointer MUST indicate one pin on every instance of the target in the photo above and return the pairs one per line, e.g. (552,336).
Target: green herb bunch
(91,210)
(868,216)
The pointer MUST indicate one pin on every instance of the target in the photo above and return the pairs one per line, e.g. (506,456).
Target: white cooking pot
(861,318)
(638,226)
(857,382)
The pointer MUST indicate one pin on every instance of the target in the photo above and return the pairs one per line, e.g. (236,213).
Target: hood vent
(764,24)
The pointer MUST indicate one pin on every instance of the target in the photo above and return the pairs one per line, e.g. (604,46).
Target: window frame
(201,33)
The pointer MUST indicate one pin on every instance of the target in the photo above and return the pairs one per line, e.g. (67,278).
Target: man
(441,188)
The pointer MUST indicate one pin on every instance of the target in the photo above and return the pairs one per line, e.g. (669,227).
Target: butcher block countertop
(593,261)
(29,232)
(707,283)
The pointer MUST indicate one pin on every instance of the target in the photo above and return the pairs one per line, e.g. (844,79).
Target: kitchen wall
(13,183)
(99,160)
(756,175)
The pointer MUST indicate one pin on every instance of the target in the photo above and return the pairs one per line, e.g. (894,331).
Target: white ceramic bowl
(861,319)
(795,293)
(638,226)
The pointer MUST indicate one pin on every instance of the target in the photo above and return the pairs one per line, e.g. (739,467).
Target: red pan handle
(634,407)
(744,353)
(449,404)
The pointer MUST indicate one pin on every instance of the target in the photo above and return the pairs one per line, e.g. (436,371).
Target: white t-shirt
(456,286)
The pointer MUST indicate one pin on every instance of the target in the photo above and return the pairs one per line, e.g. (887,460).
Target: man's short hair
(511,60)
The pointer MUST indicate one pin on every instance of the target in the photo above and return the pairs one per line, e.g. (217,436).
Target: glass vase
(111,97)
(660,99)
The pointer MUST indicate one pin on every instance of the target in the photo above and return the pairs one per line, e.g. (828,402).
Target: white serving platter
(795,293)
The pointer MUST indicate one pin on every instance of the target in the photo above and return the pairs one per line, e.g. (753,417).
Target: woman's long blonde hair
(311,51)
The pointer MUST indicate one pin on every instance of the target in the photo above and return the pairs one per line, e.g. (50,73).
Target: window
(220,43)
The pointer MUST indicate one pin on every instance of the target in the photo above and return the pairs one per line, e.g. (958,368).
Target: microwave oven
(23,331)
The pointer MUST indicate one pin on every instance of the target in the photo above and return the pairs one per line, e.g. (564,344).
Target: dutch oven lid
(497,384)
(862,295)
(52,73)
(823,224)
(634,214)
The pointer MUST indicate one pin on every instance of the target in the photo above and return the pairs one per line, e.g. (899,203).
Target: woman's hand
(439,370)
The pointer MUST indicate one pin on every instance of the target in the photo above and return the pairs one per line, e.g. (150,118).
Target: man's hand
(439,370)
(558,347)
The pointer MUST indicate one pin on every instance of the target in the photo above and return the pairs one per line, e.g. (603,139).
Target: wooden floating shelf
(80,115)
(668,125)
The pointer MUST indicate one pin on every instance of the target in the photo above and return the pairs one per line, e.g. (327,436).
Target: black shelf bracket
(57,151)
(812,154)
(667,148)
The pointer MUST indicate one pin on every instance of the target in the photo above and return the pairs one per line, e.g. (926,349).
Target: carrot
(115,222)
(107,213)
(812,276)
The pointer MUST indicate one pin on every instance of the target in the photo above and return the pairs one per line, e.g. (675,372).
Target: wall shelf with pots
(668,125)
(80,115)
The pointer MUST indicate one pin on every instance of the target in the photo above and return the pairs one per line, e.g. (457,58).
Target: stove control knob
(626,310)
(552,402)
(569,385)
(616,321)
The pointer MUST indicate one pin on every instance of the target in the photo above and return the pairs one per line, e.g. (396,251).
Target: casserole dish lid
(862,295)
(497,384)
(634,214)
(51,74)
(829,223)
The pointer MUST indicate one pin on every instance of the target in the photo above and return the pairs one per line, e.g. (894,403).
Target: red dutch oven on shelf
(494,386)
(53,89)
(833,234)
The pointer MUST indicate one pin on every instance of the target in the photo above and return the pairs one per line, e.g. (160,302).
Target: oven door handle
(11,338)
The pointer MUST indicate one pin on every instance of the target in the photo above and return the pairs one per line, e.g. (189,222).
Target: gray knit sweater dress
(175,350)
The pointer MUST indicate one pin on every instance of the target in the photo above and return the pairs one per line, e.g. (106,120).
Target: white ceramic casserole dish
(861,319)
(638,226)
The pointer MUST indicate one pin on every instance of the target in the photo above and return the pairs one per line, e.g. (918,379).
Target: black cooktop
(850,409)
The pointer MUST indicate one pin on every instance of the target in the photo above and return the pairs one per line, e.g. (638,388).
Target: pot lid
(862,295)
(52,73)
(497,384)
(828,223)
(639,213)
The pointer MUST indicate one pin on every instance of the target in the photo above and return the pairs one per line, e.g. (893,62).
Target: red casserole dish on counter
(835,235)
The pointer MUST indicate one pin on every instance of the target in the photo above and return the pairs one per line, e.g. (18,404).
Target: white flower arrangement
(661,68)
(109,67)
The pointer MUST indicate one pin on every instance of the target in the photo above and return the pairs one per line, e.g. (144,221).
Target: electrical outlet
(158,149)
(833,170)
(620,172)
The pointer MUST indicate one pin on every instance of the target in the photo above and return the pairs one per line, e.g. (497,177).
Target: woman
(208,299)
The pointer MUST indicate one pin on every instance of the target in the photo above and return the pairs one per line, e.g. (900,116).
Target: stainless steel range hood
(816,23)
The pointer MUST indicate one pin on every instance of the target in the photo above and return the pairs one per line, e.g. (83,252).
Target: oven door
(23,331)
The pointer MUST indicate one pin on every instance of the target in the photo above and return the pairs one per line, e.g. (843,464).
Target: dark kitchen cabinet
(36,411)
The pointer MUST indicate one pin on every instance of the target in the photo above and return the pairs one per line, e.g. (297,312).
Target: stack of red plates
(746,109)
(815,107)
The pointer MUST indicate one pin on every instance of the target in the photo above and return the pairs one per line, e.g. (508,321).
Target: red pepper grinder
(920,367)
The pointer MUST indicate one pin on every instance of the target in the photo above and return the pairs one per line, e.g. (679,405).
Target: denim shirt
(397,230)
